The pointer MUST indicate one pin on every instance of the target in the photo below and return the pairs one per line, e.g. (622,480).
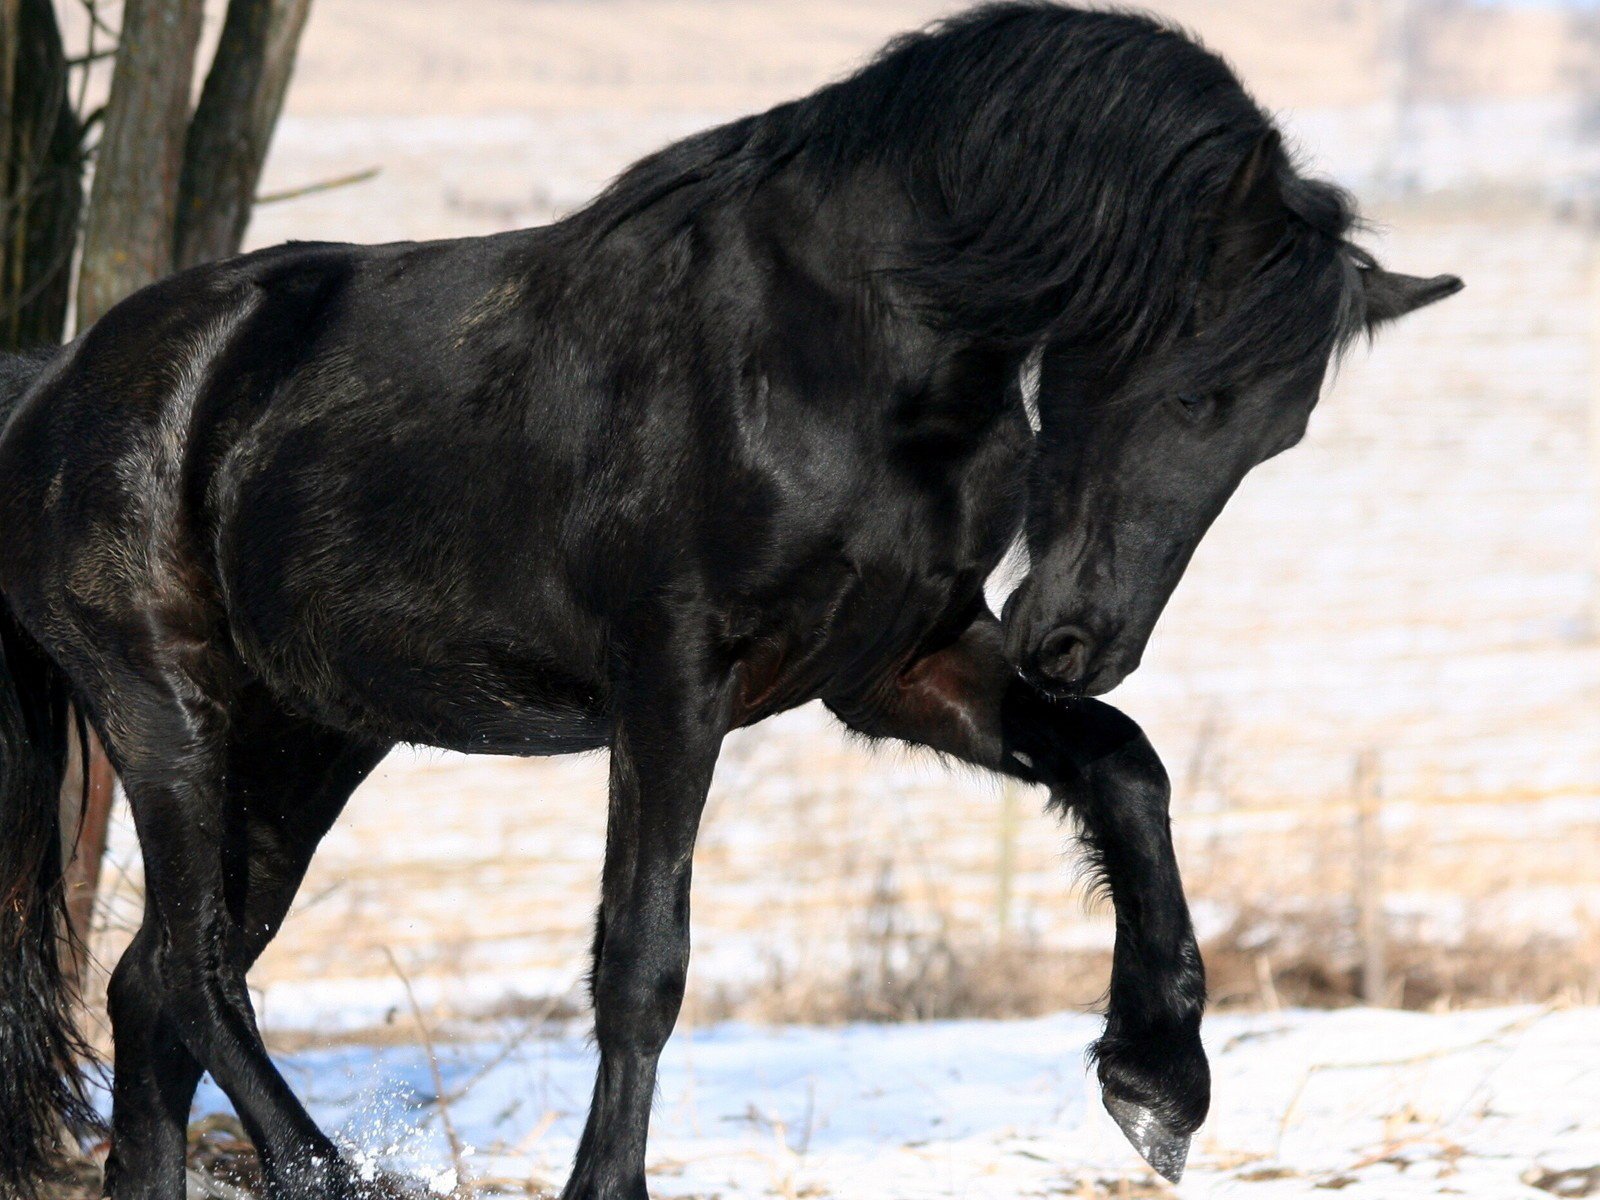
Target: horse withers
(748,430)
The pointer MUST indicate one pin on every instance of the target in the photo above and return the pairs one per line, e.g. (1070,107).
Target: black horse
(749,430)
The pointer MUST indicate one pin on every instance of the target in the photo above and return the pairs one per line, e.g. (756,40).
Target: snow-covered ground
(1378,1105)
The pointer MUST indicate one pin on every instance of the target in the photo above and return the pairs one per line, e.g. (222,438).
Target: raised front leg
(1154,1077)
(967,701)
(671,714)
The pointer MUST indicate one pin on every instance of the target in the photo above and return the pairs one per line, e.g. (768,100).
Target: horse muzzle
(1065,656)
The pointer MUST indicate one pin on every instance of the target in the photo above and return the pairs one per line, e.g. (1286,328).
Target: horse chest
(859,619)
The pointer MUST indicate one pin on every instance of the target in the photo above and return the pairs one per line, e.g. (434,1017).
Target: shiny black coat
(748,431)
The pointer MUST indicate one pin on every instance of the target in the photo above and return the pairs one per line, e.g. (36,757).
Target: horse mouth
(1067,692)
(1098,683)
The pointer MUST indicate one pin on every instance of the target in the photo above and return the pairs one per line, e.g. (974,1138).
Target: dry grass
(1303,963)
(1295,967)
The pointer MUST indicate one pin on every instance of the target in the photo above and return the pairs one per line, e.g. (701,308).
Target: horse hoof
(1158,1145)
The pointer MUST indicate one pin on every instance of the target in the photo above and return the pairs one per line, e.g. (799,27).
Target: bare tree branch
(322,185)
(10,35)
(283,45)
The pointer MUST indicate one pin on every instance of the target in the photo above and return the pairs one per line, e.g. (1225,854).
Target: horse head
(1135,457)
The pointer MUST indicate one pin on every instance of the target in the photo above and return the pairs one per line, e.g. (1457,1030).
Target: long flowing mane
(1062,164)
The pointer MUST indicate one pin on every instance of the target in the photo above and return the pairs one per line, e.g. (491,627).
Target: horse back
(430,492)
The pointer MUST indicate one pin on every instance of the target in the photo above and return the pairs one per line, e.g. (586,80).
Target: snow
(1379,1105)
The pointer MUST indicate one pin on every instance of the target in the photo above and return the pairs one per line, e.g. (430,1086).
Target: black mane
(1063,164)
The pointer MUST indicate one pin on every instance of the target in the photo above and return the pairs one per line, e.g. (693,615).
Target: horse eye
(1195,404)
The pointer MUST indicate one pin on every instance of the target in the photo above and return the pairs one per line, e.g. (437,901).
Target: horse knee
(1133,780)
(638,1015)
(1093,754)
(1110,747)
(638,993)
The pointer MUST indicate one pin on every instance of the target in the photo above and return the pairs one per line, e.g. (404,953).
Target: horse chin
(1105,679)
(1098,683)
(1053,689)
(1101,684)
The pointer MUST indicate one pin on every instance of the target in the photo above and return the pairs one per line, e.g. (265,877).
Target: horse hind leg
(153,1081)
(286,782)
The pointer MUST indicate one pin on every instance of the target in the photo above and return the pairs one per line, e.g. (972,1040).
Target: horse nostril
(1064,654)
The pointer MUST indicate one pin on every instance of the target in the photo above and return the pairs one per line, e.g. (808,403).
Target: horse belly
(452,642)
(515,709)
(411,681)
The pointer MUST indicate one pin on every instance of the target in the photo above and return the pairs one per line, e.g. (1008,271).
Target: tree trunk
(127,240)
(232,126)
(85,825)
(41,176)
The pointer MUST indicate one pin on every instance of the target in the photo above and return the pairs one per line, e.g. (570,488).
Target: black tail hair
(43,1093)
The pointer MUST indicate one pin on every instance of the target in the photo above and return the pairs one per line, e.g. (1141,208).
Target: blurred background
(1377,689)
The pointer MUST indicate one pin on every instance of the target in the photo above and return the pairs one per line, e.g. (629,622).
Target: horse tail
(43,1093)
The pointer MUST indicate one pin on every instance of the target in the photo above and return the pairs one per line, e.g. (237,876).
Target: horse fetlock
(322,1174)
(1164,1069)
(595,1183)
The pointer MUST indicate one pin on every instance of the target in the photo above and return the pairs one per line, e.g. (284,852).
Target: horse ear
(1391,295)
(1250,217)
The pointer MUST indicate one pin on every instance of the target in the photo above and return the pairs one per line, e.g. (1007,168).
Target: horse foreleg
(670,719)
(1154,1077)
(967,701)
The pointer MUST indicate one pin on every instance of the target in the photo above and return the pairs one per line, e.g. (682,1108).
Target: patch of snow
(1379,1105)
